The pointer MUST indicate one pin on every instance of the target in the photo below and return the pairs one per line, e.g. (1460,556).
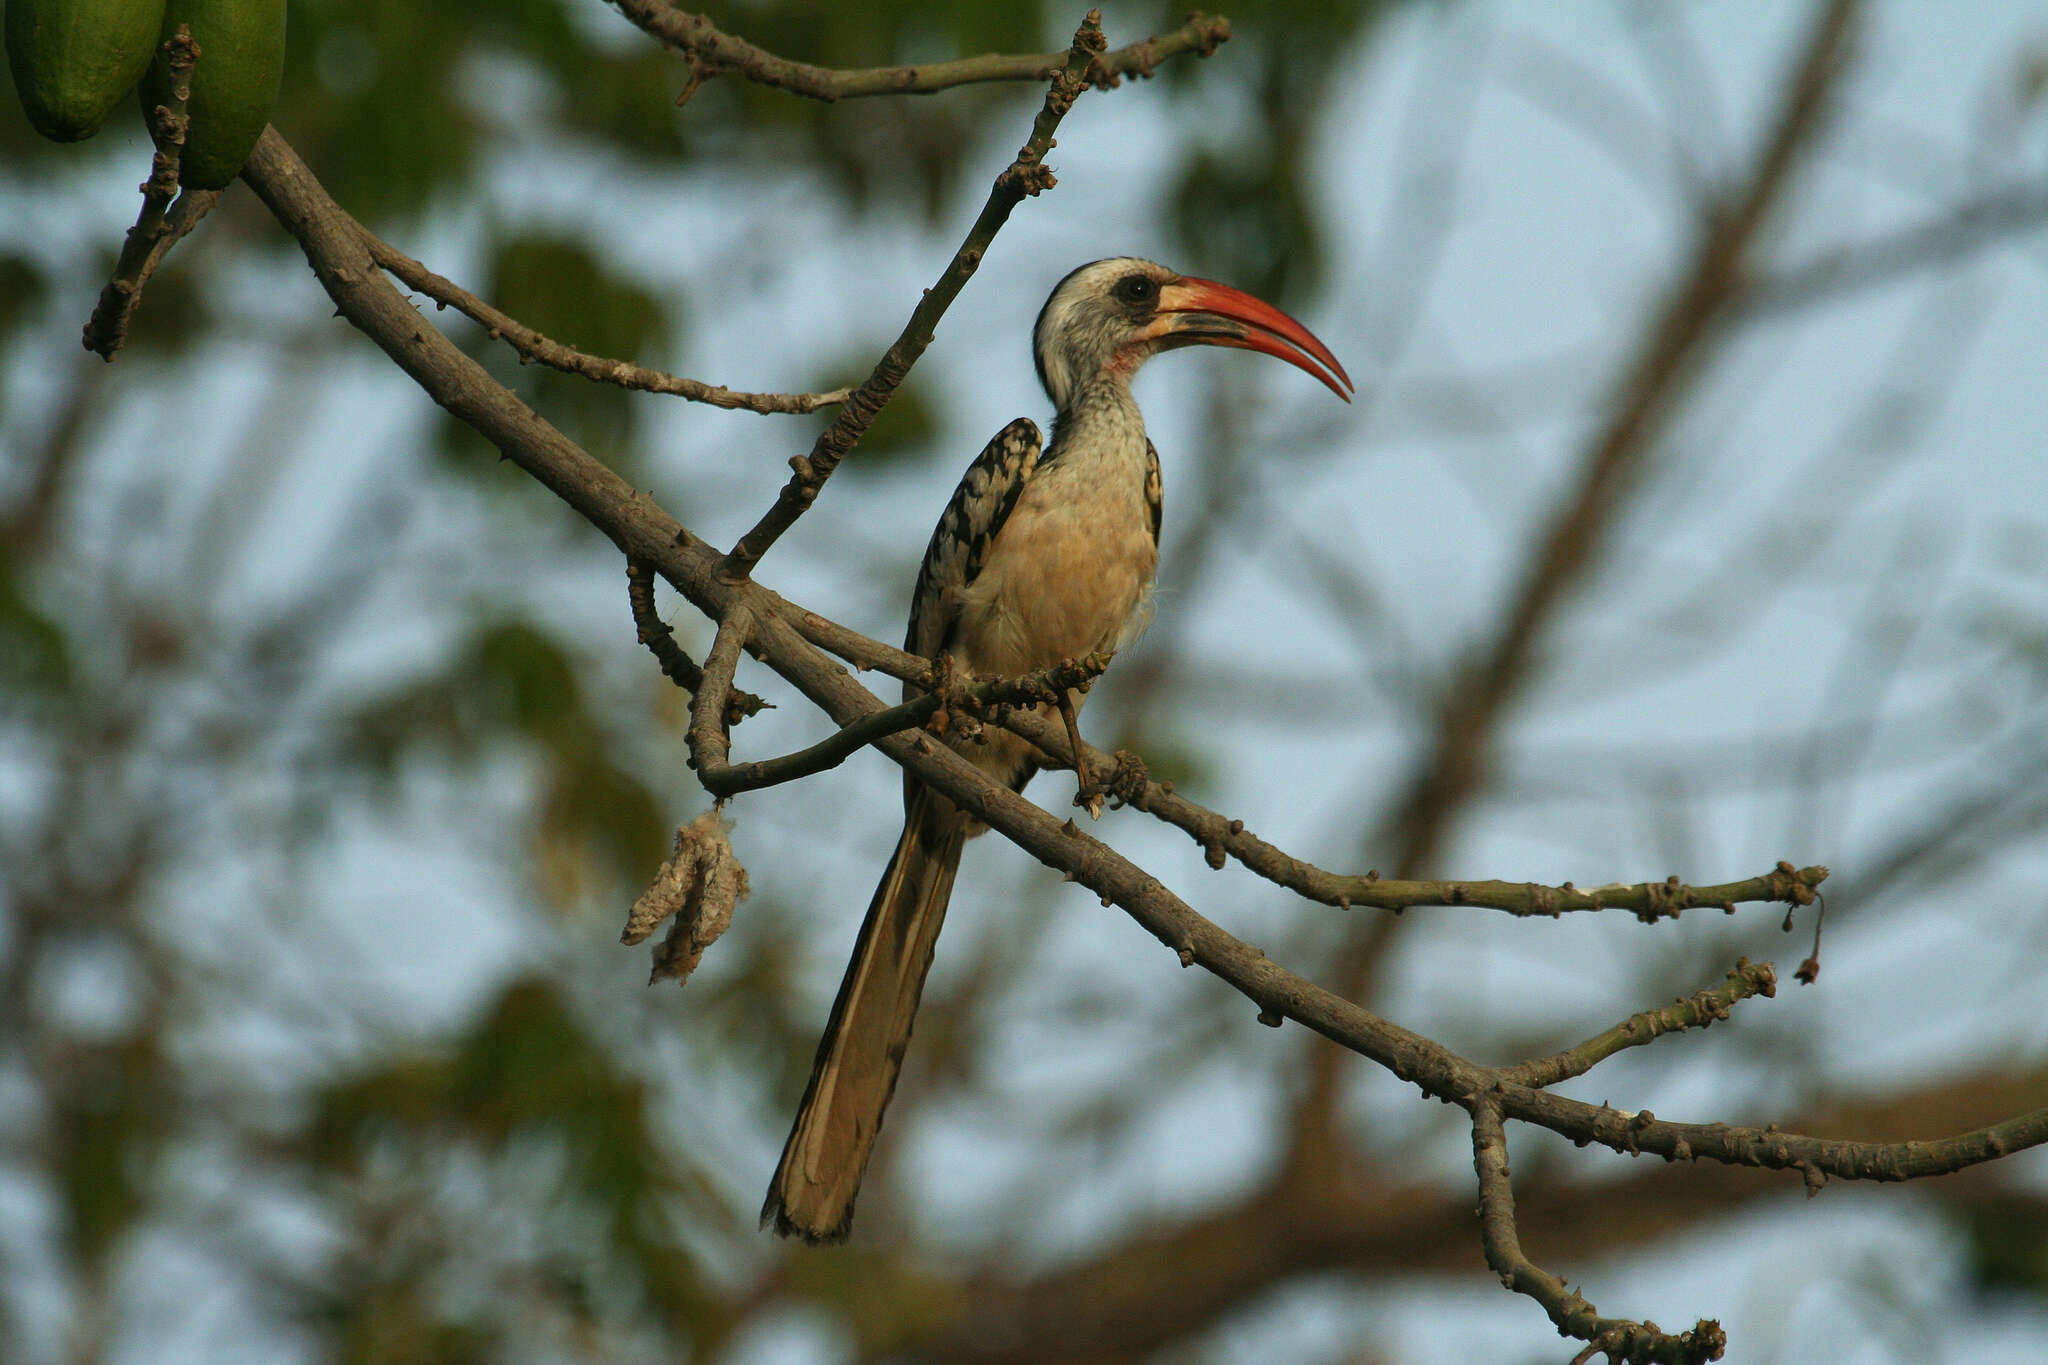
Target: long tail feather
(861,1053)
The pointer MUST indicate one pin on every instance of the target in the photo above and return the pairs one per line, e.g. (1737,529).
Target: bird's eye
(1137,289)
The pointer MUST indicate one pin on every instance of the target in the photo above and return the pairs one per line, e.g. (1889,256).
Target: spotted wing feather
(1155,491)
(960,542)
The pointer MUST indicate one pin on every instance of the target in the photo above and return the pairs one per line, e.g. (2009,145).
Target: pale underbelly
(1060,595)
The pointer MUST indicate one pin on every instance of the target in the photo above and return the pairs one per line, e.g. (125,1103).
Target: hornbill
(1044,554)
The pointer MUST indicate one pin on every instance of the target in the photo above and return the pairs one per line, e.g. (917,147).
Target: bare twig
(1637,1343)
(158,226)
(533,346)
(1025,176)
(1036,688)
(1697,1010)
(660,638)
(709,741)
(712,52)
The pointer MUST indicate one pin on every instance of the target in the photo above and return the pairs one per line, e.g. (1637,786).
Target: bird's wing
(961,540)
(1155,491)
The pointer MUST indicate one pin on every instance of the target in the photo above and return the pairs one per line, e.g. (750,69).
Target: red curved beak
(1196,312)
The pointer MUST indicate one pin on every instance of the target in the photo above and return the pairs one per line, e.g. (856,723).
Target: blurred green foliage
(35,653)
(526,1078)
(22,290)
(2008,1249)
(560,287)
(512,681)
(104,1132)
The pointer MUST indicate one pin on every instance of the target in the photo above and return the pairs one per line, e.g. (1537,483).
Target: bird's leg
(943,685)
(1128,780)
(1089,796)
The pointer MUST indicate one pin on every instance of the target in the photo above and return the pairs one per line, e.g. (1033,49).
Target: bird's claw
(1090,798)
(1125,786)
(1128,780)
(945,686)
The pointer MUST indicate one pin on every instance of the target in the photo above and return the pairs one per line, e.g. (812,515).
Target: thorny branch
(160,223)
(1025,176)
(644,532)
(713,52)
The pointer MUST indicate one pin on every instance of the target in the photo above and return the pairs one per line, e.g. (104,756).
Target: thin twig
(158,226)
(712,52)
(1031,689)
(1637,1343)
(660,638)
(710,744)
(543,350)
(1025,176)
(1697,1010)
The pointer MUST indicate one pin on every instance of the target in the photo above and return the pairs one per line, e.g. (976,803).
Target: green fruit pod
(74,60)
(234,84)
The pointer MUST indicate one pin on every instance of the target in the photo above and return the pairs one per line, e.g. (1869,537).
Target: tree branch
(1027,175)
(1040,687)
(1697,1010)
(708,740)
(532,345)
(1637,1343)
(660,639)
(1135,1297)
(155,230)
(712,52)
(1220,836)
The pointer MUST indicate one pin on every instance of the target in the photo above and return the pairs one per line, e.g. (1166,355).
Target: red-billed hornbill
(1041,556)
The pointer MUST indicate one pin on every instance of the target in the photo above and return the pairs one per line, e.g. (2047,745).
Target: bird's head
(1107,318)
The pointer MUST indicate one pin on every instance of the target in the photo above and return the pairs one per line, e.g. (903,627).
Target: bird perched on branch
(1045,553)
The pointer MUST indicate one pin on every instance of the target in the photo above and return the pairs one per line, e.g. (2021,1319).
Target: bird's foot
(1128,780)
(1092,793)
(1090,798)
(945,686)
(1125,786)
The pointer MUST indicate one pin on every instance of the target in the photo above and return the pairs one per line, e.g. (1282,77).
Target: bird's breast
(1070,571)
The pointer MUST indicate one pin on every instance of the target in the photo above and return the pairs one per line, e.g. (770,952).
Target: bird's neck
(1100,421)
